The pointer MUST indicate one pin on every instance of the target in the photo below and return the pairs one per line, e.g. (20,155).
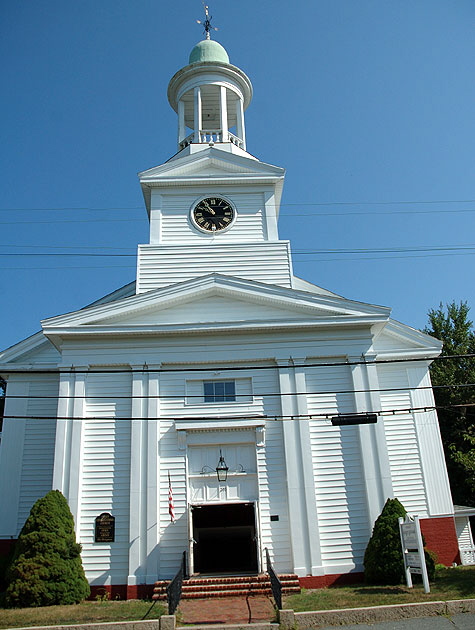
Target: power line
(283,204)
(146,369)
(243,396)
(271,417)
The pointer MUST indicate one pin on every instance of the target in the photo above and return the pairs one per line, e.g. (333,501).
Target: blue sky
(368,104)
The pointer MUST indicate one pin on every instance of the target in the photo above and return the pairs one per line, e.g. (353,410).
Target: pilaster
(138,478)
(374,453)
(300,481)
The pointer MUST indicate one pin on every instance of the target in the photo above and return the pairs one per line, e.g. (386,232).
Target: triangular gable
(213,308)
(397,338)
(37,349)
(216,299)
(213,166)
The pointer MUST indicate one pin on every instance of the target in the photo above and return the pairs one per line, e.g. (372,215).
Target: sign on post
(413,550)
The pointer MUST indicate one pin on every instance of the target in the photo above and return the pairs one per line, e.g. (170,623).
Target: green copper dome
(208,50)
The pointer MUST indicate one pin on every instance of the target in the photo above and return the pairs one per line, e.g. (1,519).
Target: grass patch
(86,612)
(449,583)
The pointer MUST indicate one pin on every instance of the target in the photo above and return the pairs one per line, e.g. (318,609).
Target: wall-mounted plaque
(105,528)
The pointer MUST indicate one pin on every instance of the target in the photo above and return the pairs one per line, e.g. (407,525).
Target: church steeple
(210,96)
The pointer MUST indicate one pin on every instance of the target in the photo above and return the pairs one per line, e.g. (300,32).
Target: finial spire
(207,22)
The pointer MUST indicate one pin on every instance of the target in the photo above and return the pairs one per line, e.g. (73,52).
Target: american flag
(171,507)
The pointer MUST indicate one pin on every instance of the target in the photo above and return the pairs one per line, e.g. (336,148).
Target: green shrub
(46,567)
(383,562)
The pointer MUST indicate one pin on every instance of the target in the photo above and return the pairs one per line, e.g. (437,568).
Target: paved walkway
(227,610)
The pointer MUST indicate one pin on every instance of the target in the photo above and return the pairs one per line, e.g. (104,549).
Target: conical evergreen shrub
(46,567)
(383,561)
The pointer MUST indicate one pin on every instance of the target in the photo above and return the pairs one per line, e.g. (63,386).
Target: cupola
(210,96)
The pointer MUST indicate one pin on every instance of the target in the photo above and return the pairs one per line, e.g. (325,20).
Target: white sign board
(413,550)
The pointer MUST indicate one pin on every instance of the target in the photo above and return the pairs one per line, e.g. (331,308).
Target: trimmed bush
(46,567)
(383,562)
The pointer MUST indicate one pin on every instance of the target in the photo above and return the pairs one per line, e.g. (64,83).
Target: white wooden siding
(173,536)
(106,475)
(176,226)
(38,446)
(160,266)
(401,439)
(339,483)
(464,533)
(180,396)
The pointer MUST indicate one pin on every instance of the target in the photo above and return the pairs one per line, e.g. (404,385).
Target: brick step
(237,586)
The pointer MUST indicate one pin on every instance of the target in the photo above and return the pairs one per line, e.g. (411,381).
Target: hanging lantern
(222,468)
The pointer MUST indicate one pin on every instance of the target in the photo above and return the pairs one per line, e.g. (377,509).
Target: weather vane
(207,22)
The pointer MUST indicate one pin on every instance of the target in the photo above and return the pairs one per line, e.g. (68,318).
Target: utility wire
(245,396)
(271,417)
(146,369)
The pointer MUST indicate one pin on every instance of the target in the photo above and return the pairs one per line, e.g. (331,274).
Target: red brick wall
(122,591)
(322,581)
(440,536)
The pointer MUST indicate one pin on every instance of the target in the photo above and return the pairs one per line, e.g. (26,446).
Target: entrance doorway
(224,538)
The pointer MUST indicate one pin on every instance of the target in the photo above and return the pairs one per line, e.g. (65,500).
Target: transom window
(219,391)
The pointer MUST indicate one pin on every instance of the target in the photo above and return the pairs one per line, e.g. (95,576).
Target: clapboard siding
(176,226)
(38,446)
(178,391)
(401,439)
(106,475)
(464,534)
(165,265)
(173,536)
(336,455)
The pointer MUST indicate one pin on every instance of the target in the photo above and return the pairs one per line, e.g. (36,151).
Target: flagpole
(171,505)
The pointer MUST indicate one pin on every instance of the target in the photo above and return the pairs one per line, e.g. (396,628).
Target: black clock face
(213,214)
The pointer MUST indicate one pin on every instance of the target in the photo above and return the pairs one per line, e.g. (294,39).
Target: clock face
(213,214)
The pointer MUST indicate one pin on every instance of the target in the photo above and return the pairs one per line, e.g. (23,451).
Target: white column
(152,522)
(138,479)
(181,122)
(300,482)
(73,491)
(11,453)
(240,128)
(62,449)
(197,113)
(374,453)
(223,110)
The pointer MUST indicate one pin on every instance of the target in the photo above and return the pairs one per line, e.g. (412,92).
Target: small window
(219,391)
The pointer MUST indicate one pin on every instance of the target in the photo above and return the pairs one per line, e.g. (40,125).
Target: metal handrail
(275,583)
(174,588)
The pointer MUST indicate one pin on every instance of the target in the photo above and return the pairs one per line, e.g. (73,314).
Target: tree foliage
(383,562)
(456,415)
(46,567)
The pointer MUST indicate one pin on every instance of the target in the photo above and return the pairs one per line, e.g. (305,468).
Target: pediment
(216,302)
(397,338)
(209,162)
(35,349)
(212,308)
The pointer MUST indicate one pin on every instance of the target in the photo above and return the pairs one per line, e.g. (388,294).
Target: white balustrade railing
(210,136)
(467,555)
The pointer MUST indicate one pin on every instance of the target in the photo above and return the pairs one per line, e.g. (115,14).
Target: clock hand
(208,207)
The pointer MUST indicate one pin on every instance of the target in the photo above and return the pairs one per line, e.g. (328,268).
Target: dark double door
(224,538)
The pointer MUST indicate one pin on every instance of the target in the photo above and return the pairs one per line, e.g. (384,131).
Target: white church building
(314,408)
